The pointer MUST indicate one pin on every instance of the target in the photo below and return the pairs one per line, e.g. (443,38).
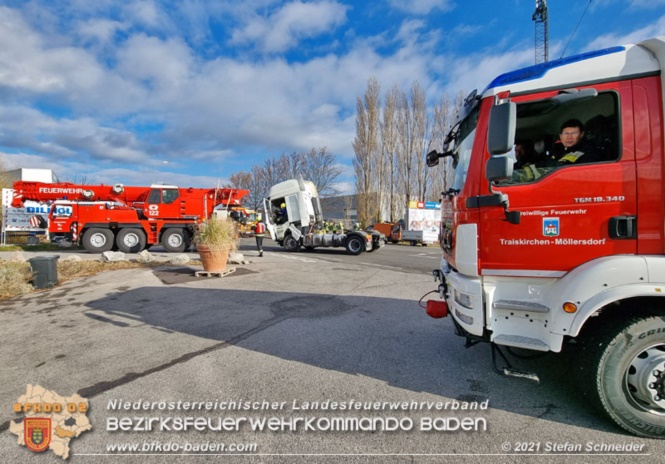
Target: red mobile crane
(129,217)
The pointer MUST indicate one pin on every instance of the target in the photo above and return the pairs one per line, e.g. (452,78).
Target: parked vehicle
(130,218)
(420,237)
(392,230)
(566,255)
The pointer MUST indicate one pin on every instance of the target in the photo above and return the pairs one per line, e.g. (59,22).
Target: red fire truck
(130,218)
(553,256)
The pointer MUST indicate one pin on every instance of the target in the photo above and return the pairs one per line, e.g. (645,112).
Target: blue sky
(189,92)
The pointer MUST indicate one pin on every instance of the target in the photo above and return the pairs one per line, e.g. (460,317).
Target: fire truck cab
(555,247)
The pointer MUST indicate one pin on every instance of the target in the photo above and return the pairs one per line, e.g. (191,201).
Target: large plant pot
(213,259)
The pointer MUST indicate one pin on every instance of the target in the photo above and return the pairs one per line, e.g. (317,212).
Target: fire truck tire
(291,244)
(175,240)
(98,240)
(623,372)
(130,240)
(354,245)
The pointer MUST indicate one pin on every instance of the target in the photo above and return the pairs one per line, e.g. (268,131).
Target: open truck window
(538,147)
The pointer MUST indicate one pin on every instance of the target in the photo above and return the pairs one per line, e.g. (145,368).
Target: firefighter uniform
(259,234)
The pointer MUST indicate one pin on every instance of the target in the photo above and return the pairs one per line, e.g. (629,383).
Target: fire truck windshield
(456,177)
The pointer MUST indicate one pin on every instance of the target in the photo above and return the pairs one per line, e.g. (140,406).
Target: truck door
(268,219)
(569,214)
(163,203)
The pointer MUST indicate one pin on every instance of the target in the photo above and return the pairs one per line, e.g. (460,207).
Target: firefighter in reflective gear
(282,215)
(259,234)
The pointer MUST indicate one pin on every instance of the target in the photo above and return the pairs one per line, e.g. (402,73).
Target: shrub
(217,233)
(14,278)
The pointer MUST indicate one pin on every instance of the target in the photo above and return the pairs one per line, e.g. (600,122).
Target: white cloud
(203,110)
(99,30)
(476,71)
(655,29)
(422,7)
(67,138)
(283,30)
(30,65)
(146,13)
(22,160)
(160,67)
(647,4)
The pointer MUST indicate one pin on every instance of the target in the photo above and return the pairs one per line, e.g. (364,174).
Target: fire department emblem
(37,433)
(51,421)
(550,227)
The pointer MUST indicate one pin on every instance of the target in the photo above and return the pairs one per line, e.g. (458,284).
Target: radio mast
(542,31)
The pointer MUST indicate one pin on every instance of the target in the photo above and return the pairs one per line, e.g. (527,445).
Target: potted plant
(214,240)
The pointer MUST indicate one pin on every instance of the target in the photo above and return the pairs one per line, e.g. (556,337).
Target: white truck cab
(294,219)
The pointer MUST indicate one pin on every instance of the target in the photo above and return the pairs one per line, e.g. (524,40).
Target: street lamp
(154,168)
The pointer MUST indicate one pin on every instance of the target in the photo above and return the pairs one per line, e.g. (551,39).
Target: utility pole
(542,31)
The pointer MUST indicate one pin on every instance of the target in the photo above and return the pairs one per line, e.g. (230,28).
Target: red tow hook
(437,309)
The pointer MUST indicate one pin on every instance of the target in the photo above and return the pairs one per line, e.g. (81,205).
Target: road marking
(383,265)
(428,255)
(296,258)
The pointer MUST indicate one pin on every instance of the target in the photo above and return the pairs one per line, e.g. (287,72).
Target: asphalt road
(289,330)
(401,257)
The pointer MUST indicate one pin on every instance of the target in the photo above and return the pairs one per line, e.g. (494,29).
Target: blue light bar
(539,70)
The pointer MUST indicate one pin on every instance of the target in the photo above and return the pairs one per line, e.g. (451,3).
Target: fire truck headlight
(570,307)
(464,299)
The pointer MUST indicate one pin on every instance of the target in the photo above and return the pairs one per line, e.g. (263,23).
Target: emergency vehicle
(131,218)
(571,256)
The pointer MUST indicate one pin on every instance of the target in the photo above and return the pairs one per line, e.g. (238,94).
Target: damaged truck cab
(294,219)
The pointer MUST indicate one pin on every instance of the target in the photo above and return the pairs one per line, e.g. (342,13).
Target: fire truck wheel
(624,374)
(175,240)
(354,245)
(130,240)
(98,240)
(291,244)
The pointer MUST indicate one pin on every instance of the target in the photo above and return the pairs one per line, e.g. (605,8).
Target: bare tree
(258,188)
(406,147)
(272,172)
(289,166)
(79,179)
(4,180)
(320,167)
(252,181)
(239,180)
(422,123)
(390,169)
(365,146)
(389,139)
(443,121)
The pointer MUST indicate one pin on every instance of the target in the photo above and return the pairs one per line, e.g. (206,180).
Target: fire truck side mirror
(501,130)
(499,168)
(432,158)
